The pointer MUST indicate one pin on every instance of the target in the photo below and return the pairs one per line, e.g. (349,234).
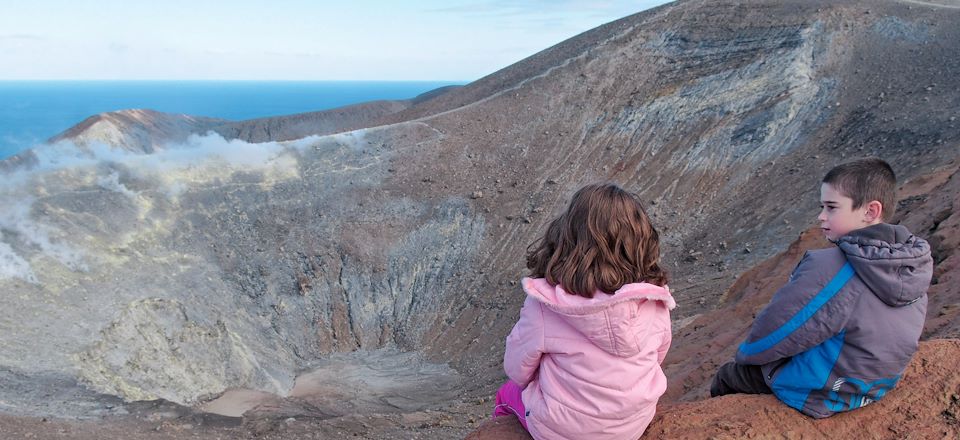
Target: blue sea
(33,111)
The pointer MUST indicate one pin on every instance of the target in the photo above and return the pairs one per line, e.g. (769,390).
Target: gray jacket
(840,333)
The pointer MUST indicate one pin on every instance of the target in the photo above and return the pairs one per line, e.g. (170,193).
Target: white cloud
(13,265)
(112,183)
(15,220)
(168,172)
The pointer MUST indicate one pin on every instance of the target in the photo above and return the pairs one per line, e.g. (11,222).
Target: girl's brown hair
(602,241)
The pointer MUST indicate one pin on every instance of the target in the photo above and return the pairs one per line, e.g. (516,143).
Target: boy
(840,333)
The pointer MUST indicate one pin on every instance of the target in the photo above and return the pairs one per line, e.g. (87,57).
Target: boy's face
(837,215)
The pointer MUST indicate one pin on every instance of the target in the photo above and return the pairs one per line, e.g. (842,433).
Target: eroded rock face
(198,360)
(722,115)
(220,273)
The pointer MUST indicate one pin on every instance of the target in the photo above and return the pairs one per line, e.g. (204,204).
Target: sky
(446,40)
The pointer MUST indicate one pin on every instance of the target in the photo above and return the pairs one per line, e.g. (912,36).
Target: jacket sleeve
(525,344)
(667,339)
(812,307)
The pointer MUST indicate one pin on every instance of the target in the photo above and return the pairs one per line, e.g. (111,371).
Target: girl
(584,358)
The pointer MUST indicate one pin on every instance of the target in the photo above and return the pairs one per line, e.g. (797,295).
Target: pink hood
(590,366)
(583,314)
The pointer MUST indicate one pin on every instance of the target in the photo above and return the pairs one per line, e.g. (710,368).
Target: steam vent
(356,271)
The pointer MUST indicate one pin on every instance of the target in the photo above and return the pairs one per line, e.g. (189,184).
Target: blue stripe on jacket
(802,316)
(807,371)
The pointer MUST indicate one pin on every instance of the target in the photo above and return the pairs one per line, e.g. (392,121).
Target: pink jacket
(590,368)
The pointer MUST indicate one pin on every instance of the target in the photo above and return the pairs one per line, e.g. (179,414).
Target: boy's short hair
(866,180)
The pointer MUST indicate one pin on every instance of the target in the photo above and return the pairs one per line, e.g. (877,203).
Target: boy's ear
(874,212)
